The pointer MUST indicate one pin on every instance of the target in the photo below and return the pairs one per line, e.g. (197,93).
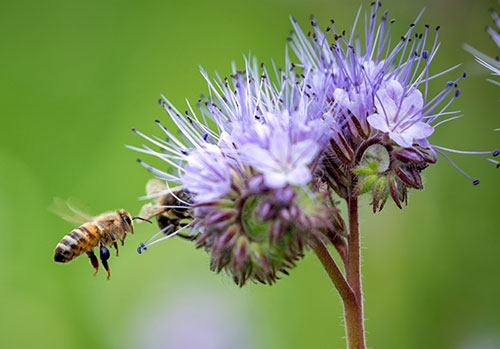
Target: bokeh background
(76,76)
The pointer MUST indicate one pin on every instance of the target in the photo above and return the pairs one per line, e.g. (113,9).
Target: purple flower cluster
(375,93)
(265,152)
(248,167)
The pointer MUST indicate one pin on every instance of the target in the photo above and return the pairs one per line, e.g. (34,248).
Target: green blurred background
(76,76)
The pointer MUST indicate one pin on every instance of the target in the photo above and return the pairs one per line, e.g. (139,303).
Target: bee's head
(126,220)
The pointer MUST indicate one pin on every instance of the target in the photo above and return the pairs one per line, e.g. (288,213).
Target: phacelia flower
(400,115)
(281,147)
(248,167)
(376,94)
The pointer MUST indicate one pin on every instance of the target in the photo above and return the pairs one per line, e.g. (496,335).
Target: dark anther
(457,93)
(425,54)
(495,152)
(140,248)
(475,181)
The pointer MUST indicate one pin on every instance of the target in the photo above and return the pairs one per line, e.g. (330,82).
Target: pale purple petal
(420,130)
(304,152)
(299,176)
(402,139)
(275,179)
(378,122)
(412,104)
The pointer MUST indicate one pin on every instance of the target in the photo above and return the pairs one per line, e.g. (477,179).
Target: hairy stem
(354,310)
(334,272)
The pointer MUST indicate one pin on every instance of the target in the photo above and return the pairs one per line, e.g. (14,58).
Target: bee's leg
(184,236)
(187,237)
(104,254)
(115,245)
(93,260)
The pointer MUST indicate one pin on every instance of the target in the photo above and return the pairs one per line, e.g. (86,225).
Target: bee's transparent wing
(70,211)
(155,186)
(148,211)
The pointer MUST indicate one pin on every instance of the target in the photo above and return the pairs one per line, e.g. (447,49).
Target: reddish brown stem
(354,311)
(341,246)
(334,272)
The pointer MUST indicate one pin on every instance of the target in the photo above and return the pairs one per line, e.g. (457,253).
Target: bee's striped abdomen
(79,241)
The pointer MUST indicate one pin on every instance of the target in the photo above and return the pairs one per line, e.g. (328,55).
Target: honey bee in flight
(101,231)
(171,207)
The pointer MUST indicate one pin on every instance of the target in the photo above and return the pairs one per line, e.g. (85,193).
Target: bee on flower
(255,205)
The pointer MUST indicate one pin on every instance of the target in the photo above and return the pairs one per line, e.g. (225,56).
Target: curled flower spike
(372,93)
(248,166)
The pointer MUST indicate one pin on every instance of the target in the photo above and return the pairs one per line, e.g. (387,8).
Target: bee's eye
(127,220)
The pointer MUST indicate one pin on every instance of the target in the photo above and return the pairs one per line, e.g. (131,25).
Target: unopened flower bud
(265,210)
(284,196)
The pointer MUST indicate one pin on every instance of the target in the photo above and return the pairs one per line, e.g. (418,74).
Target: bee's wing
(148,211)
(155,186)
(70,211)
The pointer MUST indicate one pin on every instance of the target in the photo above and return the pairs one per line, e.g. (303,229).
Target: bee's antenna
(142,219)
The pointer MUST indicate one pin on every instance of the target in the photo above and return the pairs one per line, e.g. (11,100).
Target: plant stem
(353,311)
(334,272)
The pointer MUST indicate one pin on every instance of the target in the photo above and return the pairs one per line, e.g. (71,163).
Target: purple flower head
(281,146)
(246,163)
(373,91)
